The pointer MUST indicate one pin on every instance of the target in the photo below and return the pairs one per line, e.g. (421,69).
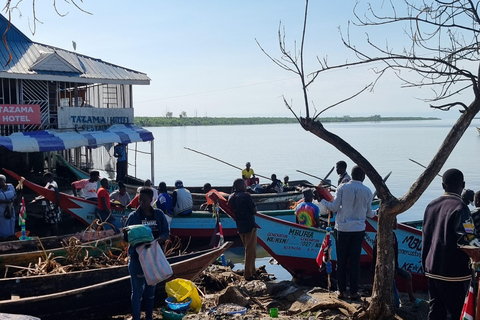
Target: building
(58,101)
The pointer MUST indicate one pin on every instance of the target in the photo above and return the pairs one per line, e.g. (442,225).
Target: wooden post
(152,161)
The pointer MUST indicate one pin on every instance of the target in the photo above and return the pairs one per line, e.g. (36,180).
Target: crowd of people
(447,224)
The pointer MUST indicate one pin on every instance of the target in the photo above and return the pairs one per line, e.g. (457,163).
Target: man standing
(353,204)
(52,212)
(447,223)
(120,152)
(341,168)
(308,213)
(245,210)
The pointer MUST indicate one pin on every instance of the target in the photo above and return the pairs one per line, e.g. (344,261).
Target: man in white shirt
(353,204)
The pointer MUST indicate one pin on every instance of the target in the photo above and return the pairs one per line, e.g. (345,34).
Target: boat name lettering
(279,235)
(409,252)
(309,239)
(98,120)
(301,233)
(292,248)
(277,240)
(413,242)
(412,267)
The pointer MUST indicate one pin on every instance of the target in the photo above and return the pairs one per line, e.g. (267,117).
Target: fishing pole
(229,164)
(421,165)
(384,180)
(316,177)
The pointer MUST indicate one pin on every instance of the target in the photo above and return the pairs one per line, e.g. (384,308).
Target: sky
(202,57)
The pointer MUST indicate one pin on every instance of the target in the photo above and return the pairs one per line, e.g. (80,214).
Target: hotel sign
(20,114)
(92,118)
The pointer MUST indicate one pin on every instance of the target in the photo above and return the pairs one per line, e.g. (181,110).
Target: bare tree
(441,52)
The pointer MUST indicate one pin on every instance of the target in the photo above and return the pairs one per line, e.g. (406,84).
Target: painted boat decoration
(199,225)
(296,247)
(82,294)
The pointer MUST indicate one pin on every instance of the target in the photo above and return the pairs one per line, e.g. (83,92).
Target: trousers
(249,241)
(140,290)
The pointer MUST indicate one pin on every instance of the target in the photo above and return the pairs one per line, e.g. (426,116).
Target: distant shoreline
(207,121)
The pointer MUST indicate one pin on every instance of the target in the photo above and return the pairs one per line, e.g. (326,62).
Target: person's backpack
(138,233)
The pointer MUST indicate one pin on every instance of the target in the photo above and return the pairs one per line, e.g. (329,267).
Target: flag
(23,212)
(468,311)
(217,237)
(323,253)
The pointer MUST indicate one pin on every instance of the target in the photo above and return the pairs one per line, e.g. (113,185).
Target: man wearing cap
(248,173)
(208,206)
(308,213)
(182,201)
(447,223)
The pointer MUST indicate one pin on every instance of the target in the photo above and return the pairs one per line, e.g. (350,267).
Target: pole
(421,165)
(229,164)
(152,161)
(384,180)
(316,177)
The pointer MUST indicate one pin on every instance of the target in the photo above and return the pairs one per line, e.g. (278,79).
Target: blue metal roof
(53,140)
(26,53)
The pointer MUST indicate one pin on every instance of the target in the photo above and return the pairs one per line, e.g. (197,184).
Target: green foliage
(184,121)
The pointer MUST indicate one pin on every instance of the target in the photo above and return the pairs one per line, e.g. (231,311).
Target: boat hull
(92,294)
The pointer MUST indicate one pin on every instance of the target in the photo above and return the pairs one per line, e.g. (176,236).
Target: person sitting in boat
(341,168)
(276,186)
(165,202)
(155,219)
(121,195)
(248,174)
(208,206)
(103,210)
(308,213)
(7,210)
(136,201)
(182,201)
(467,196)
(255,187)
(51,212)
(89,186)
(286,184)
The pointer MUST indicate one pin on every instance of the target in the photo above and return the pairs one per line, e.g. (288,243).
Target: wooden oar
(421,165)
(384,180)
(229,164)
(316,177)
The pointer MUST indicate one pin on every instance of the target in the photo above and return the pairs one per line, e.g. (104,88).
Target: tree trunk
(382,304)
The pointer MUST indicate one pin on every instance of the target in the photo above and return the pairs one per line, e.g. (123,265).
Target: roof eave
(77,79)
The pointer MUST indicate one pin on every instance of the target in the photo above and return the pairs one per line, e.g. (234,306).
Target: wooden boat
(37,243)
(296,247)
(92,248)
(91,294)
(197,226)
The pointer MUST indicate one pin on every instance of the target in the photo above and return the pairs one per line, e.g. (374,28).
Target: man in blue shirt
(353,204)
(120,152)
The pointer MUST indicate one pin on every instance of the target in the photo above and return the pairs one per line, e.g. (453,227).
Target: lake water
(284,148)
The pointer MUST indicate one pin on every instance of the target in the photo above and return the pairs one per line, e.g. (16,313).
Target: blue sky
(203,59)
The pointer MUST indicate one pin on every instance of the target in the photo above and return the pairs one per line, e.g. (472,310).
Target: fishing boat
(296,247)
(91,248)
(38,243)
(91,294)
(200,225)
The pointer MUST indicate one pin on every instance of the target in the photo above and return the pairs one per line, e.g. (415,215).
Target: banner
(20,114)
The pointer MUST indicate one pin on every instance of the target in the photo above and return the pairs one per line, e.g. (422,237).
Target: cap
(207,186)
(247,164)
(178,184)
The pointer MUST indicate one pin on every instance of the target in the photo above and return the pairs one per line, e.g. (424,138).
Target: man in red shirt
(103,209)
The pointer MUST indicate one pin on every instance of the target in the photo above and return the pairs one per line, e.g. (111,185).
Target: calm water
(284,148)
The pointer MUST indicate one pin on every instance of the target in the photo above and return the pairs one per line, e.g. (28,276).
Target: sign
(92,118)
(20,114)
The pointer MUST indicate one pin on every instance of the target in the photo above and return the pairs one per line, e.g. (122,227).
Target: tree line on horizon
(211,121)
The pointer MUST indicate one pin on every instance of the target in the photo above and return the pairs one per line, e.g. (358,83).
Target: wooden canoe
(52,242)
(92,294)
(93,248)
(296,247)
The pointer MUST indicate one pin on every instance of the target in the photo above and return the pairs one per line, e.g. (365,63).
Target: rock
(303,302)
(290,294)
(256,288)
(232,295)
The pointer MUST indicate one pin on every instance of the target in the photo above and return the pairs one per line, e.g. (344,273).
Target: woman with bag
(155,219)
(7,210)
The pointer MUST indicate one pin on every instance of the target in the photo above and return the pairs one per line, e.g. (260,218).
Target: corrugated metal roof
(26,53)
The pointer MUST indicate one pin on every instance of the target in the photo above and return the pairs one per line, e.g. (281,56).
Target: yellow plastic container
(181,289)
